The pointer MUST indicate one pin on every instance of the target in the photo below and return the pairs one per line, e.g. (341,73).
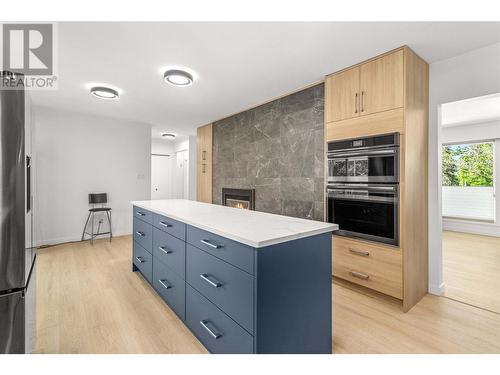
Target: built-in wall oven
(363,187)
(371,159)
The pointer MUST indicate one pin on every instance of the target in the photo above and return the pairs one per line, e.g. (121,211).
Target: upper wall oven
(369,159)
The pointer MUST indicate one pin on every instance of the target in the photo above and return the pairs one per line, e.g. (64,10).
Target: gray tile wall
(277,149)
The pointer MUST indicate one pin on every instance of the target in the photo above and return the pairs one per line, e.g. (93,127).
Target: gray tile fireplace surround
(276,149)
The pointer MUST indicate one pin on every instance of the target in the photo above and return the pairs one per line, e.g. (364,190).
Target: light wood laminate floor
(471,269)
(89,301)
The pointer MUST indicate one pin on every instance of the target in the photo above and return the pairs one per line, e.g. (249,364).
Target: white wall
(78,154)
(471,133)
(162,146)
(475,73)
(474,133)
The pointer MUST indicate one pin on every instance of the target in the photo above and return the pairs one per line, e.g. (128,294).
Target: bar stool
(94,199)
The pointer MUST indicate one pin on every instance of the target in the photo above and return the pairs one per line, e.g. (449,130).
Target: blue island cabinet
(235,298)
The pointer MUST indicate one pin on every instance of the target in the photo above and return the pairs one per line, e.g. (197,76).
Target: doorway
(470,166)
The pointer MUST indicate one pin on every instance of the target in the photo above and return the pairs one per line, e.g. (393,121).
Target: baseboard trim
(61,240)
(437,290)
(485,229)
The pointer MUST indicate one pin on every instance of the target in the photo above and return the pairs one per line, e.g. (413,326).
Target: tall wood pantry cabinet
(386,94)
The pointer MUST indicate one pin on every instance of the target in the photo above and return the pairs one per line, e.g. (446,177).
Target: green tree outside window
(468,164)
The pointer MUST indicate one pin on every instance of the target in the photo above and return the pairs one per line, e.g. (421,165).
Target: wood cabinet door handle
(359,252)
(362,101)
(203,155)
(356,103)
(359,275)
(203,168)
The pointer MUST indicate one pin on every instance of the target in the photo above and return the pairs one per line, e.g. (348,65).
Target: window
(468,181)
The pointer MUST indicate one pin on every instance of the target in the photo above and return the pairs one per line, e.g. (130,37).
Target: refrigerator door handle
(28,183)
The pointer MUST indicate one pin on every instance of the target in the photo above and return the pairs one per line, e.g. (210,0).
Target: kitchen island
(242,281)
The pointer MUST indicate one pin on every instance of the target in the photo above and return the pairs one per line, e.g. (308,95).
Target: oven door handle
(334,155)
(381,188)
(360,187)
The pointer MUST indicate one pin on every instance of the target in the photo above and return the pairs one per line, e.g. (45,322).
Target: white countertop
(253,228)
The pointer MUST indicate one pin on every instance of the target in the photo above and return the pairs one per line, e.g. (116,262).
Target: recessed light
(168,135)
(178,77)
(102,92)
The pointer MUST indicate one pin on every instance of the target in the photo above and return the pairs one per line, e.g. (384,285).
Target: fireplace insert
(239,198)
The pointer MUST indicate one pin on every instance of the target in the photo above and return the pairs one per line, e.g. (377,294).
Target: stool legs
(92,235)
(85,227)
(108,213)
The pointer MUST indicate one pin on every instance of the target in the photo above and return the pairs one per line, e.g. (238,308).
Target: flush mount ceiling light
(168,135)
(102,92)
(178,77)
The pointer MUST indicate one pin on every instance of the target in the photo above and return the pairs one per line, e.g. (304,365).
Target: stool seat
(99,209)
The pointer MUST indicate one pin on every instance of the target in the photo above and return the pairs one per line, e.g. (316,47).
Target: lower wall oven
(368,211)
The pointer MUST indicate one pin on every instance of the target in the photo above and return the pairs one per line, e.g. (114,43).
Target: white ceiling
(239,65)
(471,111)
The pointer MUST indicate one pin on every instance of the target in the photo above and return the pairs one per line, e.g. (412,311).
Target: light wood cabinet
(370,87)
(343,89)
(372,265)
(381,84)
(393,97)
(378,123)
(204,164)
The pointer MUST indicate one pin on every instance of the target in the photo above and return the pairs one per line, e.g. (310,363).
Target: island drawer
(143,234)
(143,214)
(233,252)
(218,332)
(171,226)
(143,260)
(170,250)
(171,287)
(228,287)
(375,266)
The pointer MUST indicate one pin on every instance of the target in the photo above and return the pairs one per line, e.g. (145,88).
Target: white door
(181,175)
(161,177)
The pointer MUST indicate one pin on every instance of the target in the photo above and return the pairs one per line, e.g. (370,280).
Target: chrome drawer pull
(359,275)
(166,286)
(140,213)
(165,224)
(359,252)
(140,259)
(215,284)
(208,243)
(140,233)
(215,334)
(164,249)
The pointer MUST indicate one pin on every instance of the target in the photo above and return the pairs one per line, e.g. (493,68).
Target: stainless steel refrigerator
(17,253)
